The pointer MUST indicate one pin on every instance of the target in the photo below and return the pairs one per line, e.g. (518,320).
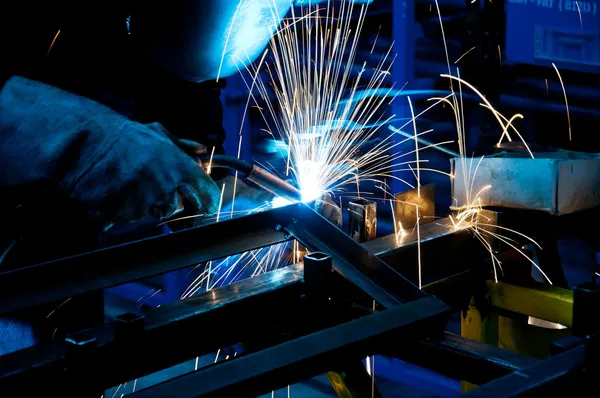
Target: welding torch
(253,173)
(245,170)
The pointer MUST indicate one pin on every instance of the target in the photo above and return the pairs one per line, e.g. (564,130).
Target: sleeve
(50,135)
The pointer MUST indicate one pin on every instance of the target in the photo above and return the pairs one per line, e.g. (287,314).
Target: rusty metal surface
(362,219)
(405,206)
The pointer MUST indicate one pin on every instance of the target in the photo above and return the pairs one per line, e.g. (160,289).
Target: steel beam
(167,336)
(55,280)
(544,378)
(438,239)
(462,358)
(307,356)
(549,303)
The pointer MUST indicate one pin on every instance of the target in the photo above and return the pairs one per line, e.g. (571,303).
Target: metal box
(557,183)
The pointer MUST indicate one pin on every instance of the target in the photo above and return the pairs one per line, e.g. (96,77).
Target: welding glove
(119,169)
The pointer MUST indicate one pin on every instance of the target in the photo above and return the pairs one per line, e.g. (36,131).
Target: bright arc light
(309,175)
(280,202)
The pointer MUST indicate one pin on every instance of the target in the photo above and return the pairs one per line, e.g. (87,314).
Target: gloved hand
(119,169)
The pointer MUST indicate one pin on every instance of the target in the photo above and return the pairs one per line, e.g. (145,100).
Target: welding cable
(254,174)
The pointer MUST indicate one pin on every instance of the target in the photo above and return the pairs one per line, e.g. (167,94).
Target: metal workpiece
(307,356)
(362,220)
(489,221)
(416,205)
(55,280)
(168,335)
(318,277)
(546,302)
(357,264)
(444,250)
(552,376)
(462,358)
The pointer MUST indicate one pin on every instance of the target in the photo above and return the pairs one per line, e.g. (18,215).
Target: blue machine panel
(567,32)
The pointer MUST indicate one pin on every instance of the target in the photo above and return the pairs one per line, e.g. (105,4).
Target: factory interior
(242,198)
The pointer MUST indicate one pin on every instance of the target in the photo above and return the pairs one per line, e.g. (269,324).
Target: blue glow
(280,202)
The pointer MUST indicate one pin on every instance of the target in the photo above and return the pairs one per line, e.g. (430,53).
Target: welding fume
(104,113)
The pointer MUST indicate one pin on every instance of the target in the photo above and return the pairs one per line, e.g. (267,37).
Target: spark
(399,231)
(489,106)
(248,264)
(220,202)
(325,122)
(212,154)
(155,293)
(467,217)
(53,40)
(419,245)
(117,390)
(412,112)
(462,56)
(566,102)
(60,305)
(579,12)
(235,178)
(227,38)
(499,54)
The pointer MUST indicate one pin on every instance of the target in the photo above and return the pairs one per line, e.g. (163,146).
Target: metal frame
(55,280)
(307,356)
(47,282)
(327,335)
(171,331)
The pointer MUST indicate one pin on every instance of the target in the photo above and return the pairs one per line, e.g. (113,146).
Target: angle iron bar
(309,355)
(547,376)
(170,334)
(55,280)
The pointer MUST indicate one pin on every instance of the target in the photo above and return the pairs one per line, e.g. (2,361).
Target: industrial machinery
(343,302)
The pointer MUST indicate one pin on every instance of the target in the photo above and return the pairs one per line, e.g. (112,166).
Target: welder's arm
(119,169)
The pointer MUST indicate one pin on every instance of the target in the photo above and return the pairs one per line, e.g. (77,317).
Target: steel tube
(462,358)
(444,250)
(52,281)
(168,336)
(362,219)
(306,356)
(538,380)
(317,277)
(550,303)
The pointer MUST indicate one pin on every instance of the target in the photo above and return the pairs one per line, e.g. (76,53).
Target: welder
(103,108)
